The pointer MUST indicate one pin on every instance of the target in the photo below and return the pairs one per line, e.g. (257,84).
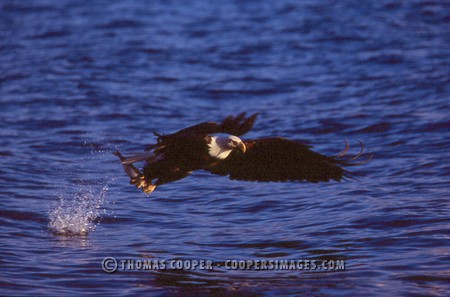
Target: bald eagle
(218,148)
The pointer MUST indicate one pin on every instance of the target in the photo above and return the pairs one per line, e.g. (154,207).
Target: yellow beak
(242,147)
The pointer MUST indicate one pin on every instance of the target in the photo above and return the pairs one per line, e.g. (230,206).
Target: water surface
(81,79)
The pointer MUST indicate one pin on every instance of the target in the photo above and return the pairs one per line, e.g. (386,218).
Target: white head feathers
(222,145)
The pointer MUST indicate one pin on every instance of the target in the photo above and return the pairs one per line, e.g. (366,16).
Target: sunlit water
(81,79)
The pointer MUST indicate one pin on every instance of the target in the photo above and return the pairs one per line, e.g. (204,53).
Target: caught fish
(136,177)
(128,167)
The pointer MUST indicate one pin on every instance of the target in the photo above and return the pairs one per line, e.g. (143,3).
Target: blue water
(79,79)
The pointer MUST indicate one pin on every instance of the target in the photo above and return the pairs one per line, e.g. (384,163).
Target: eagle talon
(149,188)
(139,181)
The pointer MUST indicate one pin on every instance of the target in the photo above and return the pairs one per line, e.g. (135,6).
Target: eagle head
(220,146)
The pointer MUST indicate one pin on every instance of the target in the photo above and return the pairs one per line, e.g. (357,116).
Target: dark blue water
(79,79)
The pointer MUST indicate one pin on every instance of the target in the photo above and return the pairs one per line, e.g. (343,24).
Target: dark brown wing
(237,126)
(278,159)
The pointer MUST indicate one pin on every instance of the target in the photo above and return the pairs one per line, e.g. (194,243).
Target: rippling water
(79,79)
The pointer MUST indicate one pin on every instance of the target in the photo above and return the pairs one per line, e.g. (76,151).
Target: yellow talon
(149,188)
(139,182)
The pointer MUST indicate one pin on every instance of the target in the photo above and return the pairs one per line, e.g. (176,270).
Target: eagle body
(218,149)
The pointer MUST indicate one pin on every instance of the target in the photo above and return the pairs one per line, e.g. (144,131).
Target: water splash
(77,214)
(80,206)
